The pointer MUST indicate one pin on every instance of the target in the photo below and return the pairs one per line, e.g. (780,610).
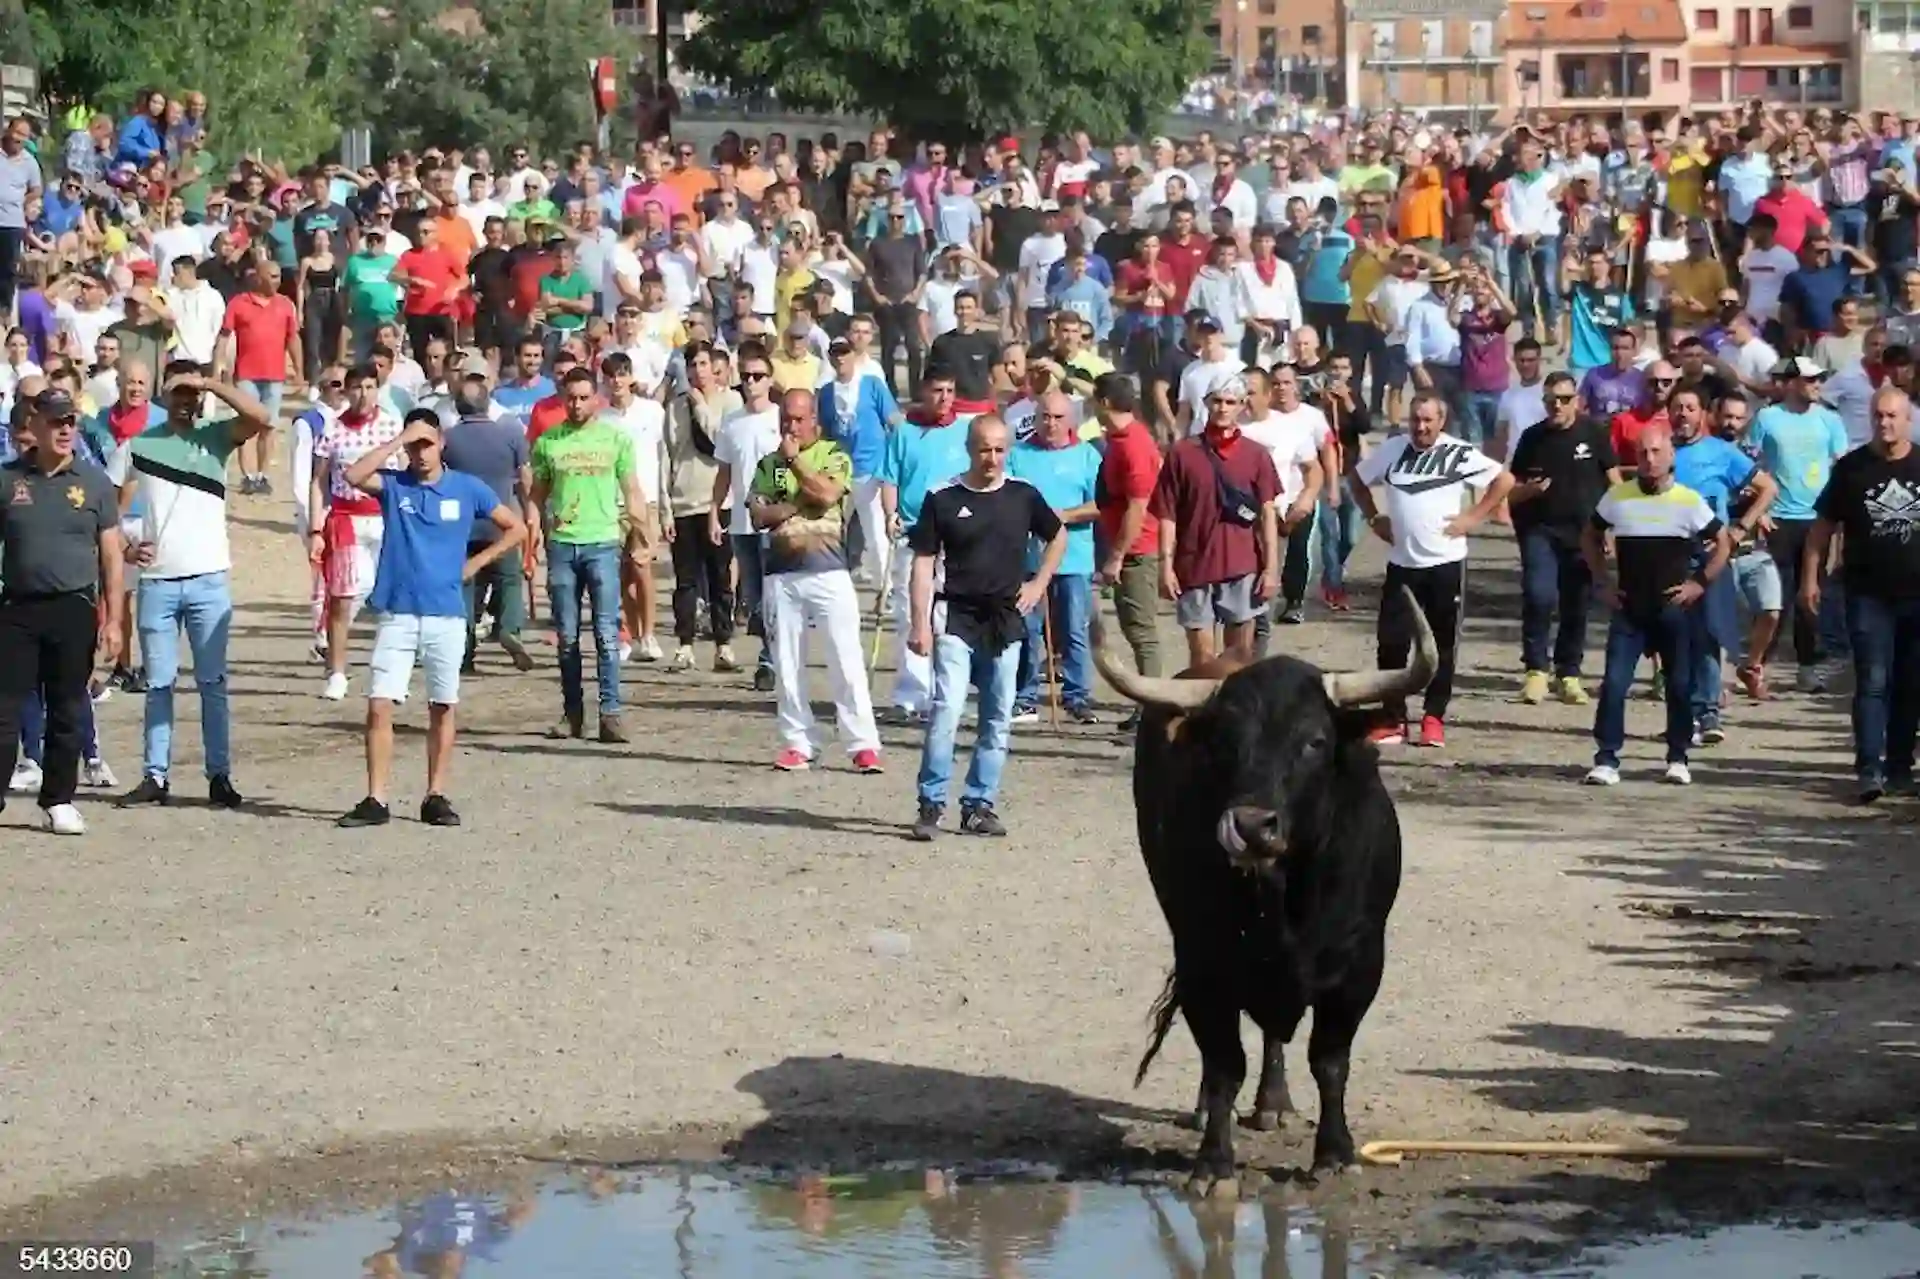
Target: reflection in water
(909,1223)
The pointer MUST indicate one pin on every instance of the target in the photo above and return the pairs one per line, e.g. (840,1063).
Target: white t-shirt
(745,437)
(477,213)
(1068,172)
(1766,272)
(726,243)
(1662,251)
(759,267)
(180,241)
(1038,253)
(1394,296)
(197,315)
(1294,439)
(838,273)
(1197,383)
(1424,490)
(1754,360)
(680,271)
(650,359)
(86,326)
(621,261)
(645,422)
(936,299)
(1311,190)
(1521,408)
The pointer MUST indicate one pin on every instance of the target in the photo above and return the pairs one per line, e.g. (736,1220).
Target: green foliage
(84,49)
(517,72)
(960,69)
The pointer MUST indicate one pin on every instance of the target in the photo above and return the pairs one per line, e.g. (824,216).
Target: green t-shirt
(571,288)
(810,540)
(583,469)
(529,210)
(372,296)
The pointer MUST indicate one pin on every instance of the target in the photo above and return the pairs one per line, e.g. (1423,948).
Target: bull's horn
(1363,688)
(1148,690)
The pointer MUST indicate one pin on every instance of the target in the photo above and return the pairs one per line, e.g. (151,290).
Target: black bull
(1274,850)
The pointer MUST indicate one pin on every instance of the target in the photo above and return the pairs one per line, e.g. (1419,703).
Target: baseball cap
(1202,319)
(1159,140)
(1049,206)
(1798,366)
(839,347)
(55,403)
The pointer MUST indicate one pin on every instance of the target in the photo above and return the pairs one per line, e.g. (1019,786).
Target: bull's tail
(1165,1009)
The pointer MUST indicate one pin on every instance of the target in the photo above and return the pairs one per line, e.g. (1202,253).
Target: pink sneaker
(792,760)
(867,762)
(1433,733)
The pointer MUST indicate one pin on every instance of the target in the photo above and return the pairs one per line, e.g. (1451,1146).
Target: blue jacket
(861,430)
(140,141)
(1087,299)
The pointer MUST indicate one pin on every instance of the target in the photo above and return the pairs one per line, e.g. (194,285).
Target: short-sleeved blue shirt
(1798,448)
(425,548)
(1714,468)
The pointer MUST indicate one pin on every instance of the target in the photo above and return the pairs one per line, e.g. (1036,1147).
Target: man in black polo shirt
(1562,467)
(895,264)
(970,353)
(60,551)
(979,525)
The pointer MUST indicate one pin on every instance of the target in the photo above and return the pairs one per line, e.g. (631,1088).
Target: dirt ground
(663,949)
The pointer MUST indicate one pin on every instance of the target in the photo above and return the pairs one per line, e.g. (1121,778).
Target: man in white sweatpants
(798,499)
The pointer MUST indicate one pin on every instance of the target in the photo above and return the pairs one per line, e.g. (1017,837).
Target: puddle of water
(1017,1223)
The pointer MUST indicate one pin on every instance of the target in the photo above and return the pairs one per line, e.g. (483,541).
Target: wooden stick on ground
(1388,1154)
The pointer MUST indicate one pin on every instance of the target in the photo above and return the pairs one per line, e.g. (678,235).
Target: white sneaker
(336,689)
(650,648)
(100,691)
(64,819)
(26,778)
(1603,775)
(683,658)
(1677,774)
(626,651)
(96,773)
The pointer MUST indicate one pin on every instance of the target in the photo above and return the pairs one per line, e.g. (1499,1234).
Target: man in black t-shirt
(1563,466)
(970,353)
(974,531)
(1872,499)
(494,328)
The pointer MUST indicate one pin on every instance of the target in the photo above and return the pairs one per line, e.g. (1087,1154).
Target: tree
(959,69)
(498,71)
(85,49)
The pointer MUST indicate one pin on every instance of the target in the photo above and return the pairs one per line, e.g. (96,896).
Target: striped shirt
(184,476)
(1655,538)
(1847,174)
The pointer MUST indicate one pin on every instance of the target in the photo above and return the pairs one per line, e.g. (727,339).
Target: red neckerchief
(1222,183)
(1266,270)
(1222,441)
(920,417)
(126,421)
(348,420)
(1876,373)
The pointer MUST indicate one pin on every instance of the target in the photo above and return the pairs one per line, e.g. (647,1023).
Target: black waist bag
(1238,506)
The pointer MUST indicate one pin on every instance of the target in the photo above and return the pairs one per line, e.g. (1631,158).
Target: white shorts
(438,643)
(352,554)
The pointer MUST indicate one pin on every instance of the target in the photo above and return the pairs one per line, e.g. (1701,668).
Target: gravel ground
(664,949)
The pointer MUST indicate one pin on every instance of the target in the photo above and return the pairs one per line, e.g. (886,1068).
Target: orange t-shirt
(1423,210)
(457,238)
(690,185)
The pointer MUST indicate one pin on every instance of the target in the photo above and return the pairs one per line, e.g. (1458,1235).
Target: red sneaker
(1337,599)
(1754,680)
(867,762)
(1432,732)
(792,760)
(1388,735)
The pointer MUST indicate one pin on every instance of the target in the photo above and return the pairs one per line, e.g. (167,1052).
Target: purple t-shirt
(1607,392)
(37,322)
(1483,352)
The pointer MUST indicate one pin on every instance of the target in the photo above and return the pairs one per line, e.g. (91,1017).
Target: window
(1269,7)
(1706,19)
(1383,41)
(1480,39)
(1800,17)
(1433,38)
(1669,71)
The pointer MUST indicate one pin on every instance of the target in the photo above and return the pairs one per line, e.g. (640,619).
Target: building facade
(1292,45)
(1886,54)
(1598,57)
(1440,57)
(1793,54)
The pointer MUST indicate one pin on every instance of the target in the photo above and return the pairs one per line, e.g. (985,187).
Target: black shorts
(495,331)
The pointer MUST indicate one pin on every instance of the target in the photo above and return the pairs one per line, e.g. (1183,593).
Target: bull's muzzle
(1251,835)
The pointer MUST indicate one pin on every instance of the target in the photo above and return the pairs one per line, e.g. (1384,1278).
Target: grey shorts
(1758,579)
(1226,603)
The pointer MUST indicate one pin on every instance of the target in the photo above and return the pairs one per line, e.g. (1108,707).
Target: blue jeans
(956,664)
(1337,531)
(1537,266)
(268,393)
(1482,415)
(1886,692)
(33,730)
(592,571)
(1553,576)
(1070,596)
(203,607)
(1668,633)
(748,552)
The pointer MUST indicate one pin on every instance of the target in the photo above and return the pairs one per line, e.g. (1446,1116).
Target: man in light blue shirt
(856,411)
(923,453)
(1798,440)
(1066,470)
(1433,346)
(1744,178)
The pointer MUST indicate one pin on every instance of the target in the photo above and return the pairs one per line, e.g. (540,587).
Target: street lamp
(1239,40)
(1626,46)
(1312,40)
(1473,90)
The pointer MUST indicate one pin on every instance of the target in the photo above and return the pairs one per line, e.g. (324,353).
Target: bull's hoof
(1195,1120)
(1219,1189)
(1264,1120)
(1325,1162)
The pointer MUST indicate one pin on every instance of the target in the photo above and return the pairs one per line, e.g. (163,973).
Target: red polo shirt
(1625,432)
(1129,470)
(1794,213)
(433,276)
(263,329)
(544,416)
(1185,261)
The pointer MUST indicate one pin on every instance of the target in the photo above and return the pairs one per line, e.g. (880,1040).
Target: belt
(89,595)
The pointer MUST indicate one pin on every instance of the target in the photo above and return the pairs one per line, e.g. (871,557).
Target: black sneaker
(136,681)
(368,812)
(763,679)
(1131,723)
(1872,787)
(151,790)
(435,810)
(221,794)
(1294,614)
(927,825)
(980,819)
(1083,714)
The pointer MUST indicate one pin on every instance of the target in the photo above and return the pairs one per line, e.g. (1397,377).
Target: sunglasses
(1560,399)
(1665,381)
(332,384)
(754,375)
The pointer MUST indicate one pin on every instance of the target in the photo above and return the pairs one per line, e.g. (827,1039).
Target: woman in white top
(15,367)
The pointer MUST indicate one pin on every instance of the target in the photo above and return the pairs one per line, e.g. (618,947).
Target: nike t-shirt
(1426,488)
